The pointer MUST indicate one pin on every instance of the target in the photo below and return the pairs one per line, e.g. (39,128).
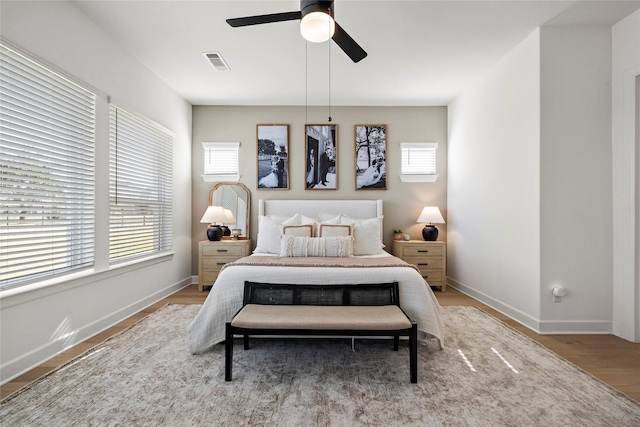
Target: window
(221,161)
(419,162)
(47,134)
(140,187)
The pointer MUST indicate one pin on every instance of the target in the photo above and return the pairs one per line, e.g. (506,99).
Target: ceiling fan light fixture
(317,27)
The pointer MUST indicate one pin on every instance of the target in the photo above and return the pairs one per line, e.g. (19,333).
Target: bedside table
(213,255)
(429,257)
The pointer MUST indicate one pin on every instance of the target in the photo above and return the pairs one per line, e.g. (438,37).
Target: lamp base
(430,233)
(214,233)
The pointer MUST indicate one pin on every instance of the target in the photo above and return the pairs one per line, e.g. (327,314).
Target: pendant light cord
(329,119)
(306,82)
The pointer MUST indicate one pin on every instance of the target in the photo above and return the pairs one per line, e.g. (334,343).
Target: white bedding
(225,298)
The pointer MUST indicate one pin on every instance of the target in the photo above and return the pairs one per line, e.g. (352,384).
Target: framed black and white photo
(321,148)
(371,157)
(273,157)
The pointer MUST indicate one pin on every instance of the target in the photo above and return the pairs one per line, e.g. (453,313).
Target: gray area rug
(488,375)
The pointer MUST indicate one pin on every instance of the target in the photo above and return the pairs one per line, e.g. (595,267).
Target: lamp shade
(214,214)
(317,27)
(431,214)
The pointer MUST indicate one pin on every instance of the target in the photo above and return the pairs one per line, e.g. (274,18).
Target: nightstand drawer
(421,251)
(217,262)
(432,276)
(424,263)
(209,276)
(222,249)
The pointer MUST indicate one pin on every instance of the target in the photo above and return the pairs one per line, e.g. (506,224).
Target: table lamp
(214,215)
(431,215)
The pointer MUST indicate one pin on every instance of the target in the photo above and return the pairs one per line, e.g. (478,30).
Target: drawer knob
(423,263)
(222,250)
(221,263)
(423,250)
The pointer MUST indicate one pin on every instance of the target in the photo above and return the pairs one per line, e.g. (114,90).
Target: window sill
(221,178)
(419,178)
(62,283)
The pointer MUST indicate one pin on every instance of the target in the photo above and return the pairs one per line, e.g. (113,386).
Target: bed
(328,262)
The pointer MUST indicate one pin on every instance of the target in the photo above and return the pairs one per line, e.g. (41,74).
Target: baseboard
(542,327)
(591,327)
(515,314)
(19,366)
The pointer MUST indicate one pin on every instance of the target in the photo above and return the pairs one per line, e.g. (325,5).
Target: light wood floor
(611,359)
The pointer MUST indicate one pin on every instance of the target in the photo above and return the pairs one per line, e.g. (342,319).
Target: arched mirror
(235,197)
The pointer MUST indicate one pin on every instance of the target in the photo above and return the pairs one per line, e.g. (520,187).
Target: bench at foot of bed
(322,310)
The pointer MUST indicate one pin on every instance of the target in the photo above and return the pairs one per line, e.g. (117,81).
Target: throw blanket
(226,295)
(352,262)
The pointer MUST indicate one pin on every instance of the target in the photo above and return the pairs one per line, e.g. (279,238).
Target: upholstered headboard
(313,208)
(361,209)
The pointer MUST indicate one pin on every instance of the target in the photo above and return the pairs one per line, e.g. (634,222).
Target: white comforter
(225,298)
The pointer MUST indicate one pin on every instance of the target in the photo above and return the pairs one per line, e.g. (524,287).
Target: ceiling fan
(316,25)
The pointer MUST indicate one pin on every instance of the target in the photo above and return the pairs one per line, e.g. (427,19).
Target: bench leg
(413,352)
(228,353)
(246,342)
(396,342)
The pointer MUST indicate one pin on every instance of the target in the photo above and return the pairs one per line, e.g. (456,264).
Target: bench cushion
(383,318)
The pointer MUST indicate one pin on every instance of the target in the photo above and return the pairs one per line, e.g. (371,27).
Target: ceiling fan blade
(264,19)
(348,45)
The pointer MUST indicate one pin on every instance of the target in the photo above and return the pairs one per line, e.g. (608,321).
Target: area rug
(488,375)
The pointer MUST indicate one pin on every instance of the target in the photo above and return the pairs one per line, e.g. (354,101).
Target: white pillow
(336,246)
(298,230)
(330,218)
(269,231)
(327,230)
(305,220)
(366,235)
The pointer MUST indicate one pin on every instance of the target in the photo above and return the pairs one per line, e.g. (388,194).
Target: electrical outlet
(558,293)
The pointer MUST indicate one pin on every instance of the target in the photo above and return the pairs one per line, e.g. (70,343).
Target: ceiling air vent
(216,60)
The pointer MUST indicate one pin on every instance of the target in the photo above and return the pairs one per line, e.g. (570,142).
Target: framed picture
(273,157)
(371,157)
(321,148)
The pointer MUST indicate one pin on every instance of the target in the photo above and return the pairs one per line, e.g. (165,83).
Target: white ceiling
(419,52)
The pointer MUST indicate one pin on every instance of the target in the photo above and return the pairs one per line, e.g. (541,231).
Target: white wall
(493,186)
(581,232)
(575,178)
(62,36)
(403,202)
(626,178)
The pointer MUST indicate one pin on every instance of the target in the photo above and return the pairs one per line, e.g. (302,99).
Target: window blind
(221,158)
(419,158)
(47,134)
(140,182)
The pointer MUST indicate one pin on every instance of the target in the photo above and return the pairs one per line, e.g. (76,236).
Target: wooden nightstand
(213,255)
(429,257)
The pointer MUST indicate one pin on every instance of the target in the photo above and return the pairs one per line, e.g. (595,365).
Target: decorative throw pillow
(298,230)
(336,246)
(269,231)
(366,235)
(327,230)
